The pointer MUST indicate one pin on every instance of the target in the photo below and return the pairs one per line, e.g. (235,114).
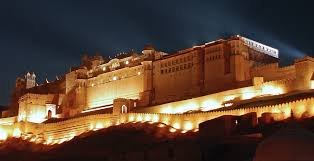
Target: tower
(148,50)
(30,80)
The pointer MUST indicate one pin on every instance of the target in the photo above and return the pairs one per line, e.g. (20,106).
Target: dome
(287,145)
(149,47)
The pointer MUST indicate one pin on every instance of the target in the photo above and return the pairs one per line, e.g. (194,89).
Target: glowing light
(311,111)
(117,123)
(62,141)
(190,106)
(96,109)
(248,94)
(271,90)
(72,135)
(3,134)
(229,98)
(312,84)
(93,84)
(55,142)
(22,116)
(139,118)
(275,110)
(228,104)
(114,78)
(123,120)
(49,140)
(195,130)
(183,107)
(104,68)
(183,131)
(131,118)
(127,62)
(176,125)
(155,118)
(172,130)
(161,125)
(167,110)
(16,133)
(138,73)
(210,105)
(33,139)
(91,126)
(165,120)
(37,117)
(99,125)
(147,118)
(188,126)
(299,110)
(287,112)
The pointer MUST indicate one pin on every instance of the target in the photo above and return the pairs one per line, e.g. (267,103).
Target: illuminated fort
(233,76)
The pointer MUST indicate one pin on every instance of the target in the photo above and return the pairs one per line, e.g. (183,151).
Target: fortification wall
(8,120)
(273,72)
(123,83)
(32,107)
(300,108)
(214,101)
(173,77)
(66,130)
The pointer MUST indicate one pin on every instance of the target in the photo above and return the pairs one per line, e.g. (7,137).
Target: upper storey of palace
(92,66)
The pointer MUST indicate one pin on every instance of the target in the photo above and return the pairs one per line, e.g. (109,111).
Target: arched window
(124,109)
(49,114)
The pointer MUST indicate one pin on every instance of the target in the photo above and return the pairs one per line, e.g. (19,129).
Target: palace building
(201,80)
(148,78)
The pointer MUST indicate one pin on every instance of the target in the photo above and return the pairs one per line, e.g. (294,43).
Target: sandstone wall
(273,72)
(66,130)
(123,83)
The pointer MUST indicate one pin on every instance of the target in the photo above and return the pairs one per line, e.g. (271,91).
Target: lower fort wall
(65,130)
(214,101)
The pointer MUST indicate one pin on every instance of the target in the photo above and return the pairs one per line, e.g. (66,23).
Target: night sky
(49,36)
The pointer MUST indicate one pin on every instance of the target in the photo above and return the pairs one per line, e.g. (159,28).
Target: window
(124,109)
(162,71)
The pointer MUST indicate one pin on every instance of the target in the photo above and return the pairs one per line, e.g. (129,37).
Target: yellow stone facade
(180,90)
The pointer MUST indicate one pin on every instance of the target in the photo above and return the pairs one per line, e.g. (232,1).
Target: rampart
(58,132)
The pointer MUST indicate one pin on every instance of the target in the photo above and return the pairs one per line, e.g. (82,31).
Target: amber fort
(231,76)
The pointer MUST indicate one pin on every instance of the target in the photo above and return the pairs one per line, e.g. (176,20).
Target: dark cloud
(48,37)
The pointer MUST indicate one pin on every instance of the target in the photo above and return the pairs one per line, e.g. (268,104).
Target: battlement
(61,131)
(306,58)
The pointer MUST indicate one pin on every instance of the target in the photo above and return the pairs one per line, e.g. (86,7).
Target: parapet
(305,58)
